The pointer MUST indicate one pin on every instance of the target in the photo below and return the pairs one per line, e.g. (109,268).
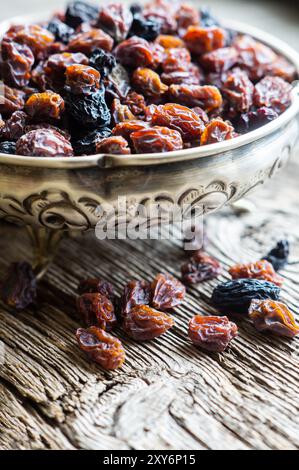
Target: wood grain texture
(169,395)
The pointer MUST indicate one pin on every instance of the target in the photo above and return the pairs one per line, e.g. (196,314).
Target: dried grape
(143,323)
(268,315)
(167,292)
(212,333)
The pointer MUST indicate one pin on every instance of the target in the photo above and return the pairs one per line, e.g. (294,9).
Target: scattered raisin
(268,315)
(79,12)
(201,267)
(101,347)
(202,40)
(17,62)
(135,293)
(179,118)
(115,19)
(217,131)
(44,143)
(167,292)
(273,92)
(156,139)
(18,290)
(279,255)
(47,105)
(97,309)
(236,296)
(96,286)
(82,79)
(212,333)
(87,42)
(143,323)
(148,83)
(258,270)
(115,145)
(207,97)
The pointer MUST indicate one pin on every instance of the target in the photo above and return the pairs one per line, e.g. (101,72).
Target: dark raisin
(279,255)
(86,145)
(200,268)
(79,12)
(117,83)
(212,333)
(91,110)
(14,127)
(18,290)
(236,296)
(135,9)
(9,148)
(148,29)
(60,30)
(268,315)
(97,309)
(255,119)
(96,286)
(101,347)
(135,293)
(102,61)
(207,19)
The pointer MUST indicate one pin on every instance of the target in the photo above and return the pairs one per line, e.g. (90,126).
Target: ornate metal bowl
(64,193)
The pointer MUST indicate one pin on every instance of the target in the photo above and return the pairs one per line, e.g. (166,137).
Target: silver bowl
(64,194)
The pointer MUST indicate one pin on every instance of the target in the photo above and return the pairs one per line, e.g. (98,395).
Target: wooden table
(169,395)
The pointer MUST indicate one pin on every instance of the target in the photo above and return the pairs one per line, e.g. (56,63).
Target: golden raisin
(212,333)
(47,105)
(206,97)
(258,270)
(143,323)
(148,83)
(217,131)
(273,316)
(201,40)
(156,139)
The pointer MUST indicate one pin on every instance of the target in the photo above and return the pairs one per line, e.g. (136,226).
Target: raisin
(61,31)
(57,64)
(236,296)
(82,79)
(14,127)
(156,139)
(115,145)
(47,105)
(8,148)
(18,290)
(86,144)
(148,83)
(135,293)
(255,119)
(169,42)
(90,109)
(190,76)
(162,12)
(238,90)
(89,41)
(176,59)
(167,292)
(44,143)
(96,286)
(17,63)
(46,125)
(126,128)
(219,60)
(97,309)
(38,77)
(101,347)
(102,61)
(136,104)
(118,83)
(201,40)
(38,39)
(258,270)
(135,9)
(281,68)
(212,333)
(201,267)
(79,12)
(186,16)
(143,323)
(148,29)
(134,52)
(181,119)
(268,315)
(254,56)
(279,255)
(202,114)
(158,55)
(11,100)
(207,97)
(115,19)
(273,92)
(207,19)
(121,112)
(217,131)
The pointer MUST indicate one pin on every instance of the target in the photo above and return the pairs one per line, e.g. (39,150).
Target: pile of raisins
(154,78)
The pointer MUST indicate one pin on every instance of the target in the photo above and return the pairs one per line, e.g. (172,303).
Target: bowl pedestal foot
(45,244)
(243,206)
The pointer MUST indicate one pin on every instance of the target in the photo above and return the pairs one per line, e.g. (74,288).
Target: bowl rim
(110,161)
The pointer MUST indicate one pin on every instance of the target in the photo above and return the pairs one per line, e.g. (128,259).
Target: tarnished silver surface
(64,193)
